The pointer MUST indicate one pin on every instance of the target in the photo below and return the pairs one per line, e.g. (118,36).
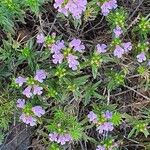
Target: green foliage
(34,5)
(116,119)
(69,95)
(9,11)
(63,123)
(96,61)
(116,116)
(6,113)
(91,91)
(2,136)
(117,18)
(143,46)
(143,27)
(54,146)
(115,80)
(92,11)
(13,55)
(108,143)
(14,10)
(138,127)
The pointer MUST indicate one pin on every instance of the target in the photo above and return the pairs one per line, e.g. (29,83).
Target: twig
(137,92)
(136,9)
(108,97)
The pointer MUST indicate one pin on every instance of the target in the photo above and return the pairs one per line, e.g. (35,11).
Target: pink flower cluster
(122,49)
(31,90)
(58,56)
(38,111)
(92,117)
(40,38)
(119,50)
(101,48)
(72,61)
(141,57)
(74,7)
(77,45)
(28,119)
(107,6)
(104,127)
(100,147)
(20,80)
(56,49)
(117,31)
(62,139)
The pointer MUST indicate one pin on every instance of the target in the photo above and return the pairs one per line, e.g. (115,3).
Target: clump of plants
(68,87)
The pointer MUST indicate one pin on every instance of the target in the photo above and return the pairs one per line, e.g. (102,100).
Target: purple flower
(108,114)
(75,7)
(40,38)
(63,11)
(38,111)
(141,57)
(77,45)
(60,44)
(99,147)
(27,92)
(113,4)
(28,119)
(118,31)
(108,6)
(67,137)
(119,51)
(61,139)
(40,75)
(37,90)
(100,129)
(108,126)
(92,117)
(20,103)
(105,8)
(53,137)
(57,47)
(101,48)
(127,46)
(72,60)
(58,4)
(58,58)
(30,91)
(53,34)
(20,80)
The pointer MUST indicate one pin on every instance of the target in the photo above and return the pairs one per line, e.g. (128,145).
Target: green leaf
(94,71)
(81,80)
(97,95)
(77,23)
(116,119)
(146,133)
(131,132)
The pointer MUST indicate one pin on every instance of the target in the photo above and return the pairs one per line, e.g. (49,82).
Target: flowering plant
(80,76)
